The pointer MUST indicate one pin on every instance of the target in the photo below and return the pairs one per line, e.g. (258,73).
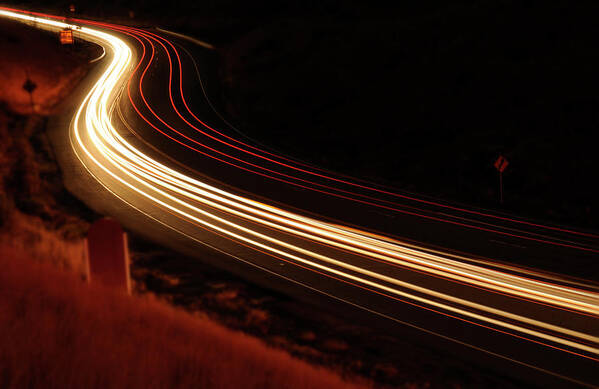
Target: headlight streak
(328,190)
(120,162)
(371,187)
(387,239)
(343,247)
(158,39)
(157,177)
(330,193)
(133,166)
(171,172)
(144,74)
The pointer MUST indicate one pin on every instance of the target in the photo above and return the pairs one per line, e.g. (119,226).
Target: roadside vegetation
(58,332)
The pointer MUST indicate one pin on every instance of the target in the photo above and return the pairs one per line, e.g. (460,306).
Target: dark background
(422,97)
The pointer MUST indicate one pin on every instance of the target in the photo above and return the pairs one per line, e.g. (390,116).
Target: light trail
(309,169)
(331,250)
(315,171)
(278,175)
(198,184)
(327,189)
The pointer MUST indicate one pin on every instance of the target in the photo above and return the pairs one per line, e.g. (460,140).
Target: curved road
(146,146)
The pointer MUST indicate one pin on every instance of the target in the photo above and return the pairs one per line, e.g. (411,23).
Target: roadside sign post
(500,164)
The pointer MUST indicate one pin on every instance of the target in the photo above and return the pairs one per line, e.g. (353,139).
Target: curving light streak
(356,236)
(298,166)
(282,233)
(278,168)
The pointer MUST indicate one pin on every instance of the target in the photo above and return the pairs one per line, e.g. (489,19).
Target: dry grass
(58,332)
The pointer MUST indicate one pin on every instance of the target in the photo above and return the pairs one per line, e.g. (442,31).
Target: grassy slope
(57,332)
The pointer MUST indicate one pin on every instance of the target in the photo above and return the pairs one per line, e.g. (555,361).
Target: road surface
(147,147)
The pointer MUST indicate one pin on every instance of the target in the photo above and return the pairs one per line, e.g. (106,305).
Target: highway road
(145,144)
